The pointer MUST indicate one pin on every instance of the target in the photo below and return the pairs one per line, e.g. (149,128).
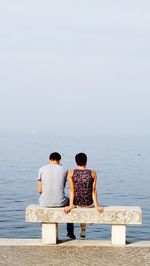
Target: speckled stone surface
(74,255)
(111,215)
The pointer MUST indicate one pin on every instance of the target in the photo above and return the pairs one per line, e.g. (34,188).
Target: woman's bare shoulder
(70,172)
(93,173)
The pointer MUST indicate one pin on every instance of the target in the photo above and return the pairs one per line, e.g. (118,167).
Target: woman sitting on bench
(82,182)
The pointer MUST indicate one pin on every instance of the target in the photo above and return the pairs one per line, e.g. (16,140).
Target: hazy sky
(75,66)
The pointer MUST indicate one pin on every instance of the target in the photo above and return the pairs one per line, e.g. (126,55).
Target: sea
(122,164)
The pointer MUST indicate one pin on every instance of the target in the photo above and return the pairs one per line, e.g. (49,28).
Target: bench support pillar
(49,233)
(118,235)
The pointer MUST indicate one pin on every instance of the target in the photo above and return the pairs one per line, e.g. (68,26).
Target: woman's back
(83,183)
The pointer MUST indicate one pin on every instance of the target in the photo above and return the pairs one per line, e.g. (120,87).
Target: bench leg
(49,233)
(118,235)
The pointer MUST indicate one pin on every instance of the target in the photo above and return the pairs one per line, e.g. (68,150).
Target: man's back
(53,178)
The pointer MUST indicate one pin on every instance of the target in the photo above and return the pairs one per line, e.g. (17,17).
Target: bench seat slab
(112,215)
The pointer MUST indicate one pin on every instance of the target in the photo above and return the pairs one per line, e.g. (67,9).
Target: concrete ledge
(75,243)
(27,252)
(112,215)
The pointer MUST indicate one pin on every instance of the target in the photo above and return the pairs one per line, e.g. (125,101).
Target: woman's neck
(81,167)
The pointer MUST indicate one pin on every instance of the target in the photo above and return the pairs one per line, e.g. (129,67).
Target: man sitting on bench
(51,184)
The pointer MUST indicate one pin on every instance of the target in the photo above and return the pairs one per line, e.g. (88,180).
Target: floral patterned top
(83,183)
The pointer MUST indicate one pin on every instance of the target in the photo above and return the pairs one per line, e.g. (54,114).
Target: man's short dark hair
(81,159)
(55,156)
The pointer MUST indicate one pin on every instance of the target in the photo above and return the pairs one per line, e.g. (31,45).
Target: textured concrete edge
(69,243)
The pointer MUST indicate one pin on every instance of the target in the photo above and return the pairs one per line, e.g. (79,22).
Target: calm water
(122,165)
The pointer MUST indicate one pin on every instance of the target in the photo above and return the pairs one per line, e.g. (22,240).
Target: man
(51,184)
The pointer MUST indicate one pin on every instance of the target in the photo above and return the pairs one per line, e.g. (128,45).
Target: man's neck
(54,162)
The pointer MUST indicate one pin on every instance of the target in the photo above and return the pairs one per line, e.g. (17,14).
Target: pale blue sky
(75,66)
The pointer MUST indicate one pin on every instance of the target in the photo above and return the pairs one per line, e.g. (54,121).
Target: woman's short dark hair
(81,159)
(55,156)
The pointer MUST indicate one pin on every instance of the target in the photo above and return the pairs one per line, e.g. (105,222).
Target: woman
(82,182)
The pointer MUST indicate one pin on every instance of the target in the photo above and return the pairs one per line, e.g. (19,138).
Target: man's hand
(67,209)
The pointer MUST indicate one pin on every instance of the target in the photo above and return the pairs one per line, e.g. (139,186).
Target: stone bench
(118,216)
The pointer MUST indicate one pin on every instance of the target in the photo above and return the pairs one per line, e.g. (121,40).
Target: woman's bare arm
(94,193)
(68,208)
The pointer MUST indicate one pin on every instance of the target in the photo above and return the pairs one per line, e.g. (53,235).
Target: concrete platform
(75,243)
(27,252)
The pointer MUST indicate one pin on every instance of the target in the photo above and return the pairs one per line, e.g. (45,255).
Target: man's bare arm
(40,186)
